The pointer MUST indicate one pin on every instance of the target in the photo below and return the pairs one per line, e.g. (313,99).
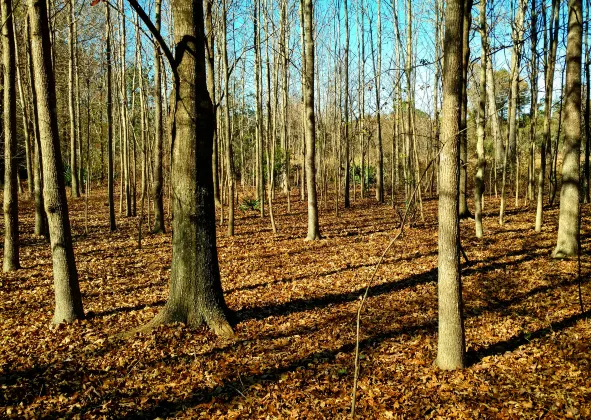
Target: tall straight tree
(480,124)
(196,295)
(346,131)
(11,240)
(378,87)
(313,226)
(464,211)
(568,222)
(549,66)
(451,343)
(72,102)
(227,127)
(68,302)
(158,177)
(109,83)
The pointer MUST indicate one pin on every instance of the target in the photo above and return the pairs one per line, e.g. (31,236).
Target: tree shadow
(325,273)
(475,356)
(302,304)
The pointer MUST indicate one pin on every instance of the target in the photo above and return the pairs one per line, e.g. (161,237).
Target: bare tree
(568,223)
(11,239)
(68,302)
(451,342)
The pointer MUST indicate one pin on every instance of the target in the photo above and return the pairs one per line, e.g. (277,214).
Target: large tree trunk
(451,344)
(586,167)
(196,294)
(568,223)
(159,140)
(11,240)
(68,302)
(313,227)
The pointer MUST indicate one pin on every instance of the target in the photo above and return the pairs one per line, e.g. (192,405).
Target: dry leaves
(295,301)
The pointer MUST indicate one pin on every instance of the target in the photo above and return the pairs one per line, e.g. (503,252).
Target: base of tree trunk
(193,319)
(466,215)
(564,252)
(316,237)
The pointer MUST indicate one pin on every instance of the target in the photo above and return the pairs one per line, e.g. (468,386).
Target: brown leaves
(295,303)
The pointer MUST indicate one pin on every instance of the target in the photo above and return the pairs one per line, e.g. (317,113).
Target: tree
(568,222)
(109,84)
(308,15)
(158,177)
(451,345)
(72,102)
(196,294)
(11,240)
(480,124)
(68,302)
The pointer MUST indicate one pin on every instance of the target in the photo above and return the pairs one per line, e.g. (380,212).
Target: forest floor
(529,345)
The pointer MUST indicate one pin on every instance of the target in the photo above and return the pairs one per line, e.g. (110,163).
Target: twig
(373,275)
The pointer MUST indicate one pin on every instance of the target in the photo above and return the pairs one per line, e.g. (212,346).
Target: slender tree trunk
(451,342)
(378,71)
(227,126)
(109,83)
(210,62)
(157,189)
(40,216)
(68,302)
(11,237)
(347,199)
(72,103)
(313,226)
(586,168)
(26,122)
(568,222)
(549,65)
(481,125)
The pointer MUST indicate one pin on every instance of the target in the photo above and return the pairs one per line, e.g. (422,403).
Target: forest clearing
(528,345)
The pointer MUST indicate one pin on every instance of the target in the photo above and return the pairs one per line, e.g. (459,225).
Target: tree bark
(464,211)
(196,294)
(109,83)
(481,125)
(11,237)
(451,342)
(159,140)
(568,222)
(72,103)
(313,226)
(68,302)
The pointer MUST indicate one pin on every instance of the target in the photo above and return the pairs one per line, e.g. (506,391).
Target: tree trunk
(480,125)
(72,104)
(11,238)
(549,65)
(40,216)
(464,211)
(196,294)
(451,343)
(109,83)
(568,222)
(347,199)
(227,127)
(158,131)
(313,226)
(68,302)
